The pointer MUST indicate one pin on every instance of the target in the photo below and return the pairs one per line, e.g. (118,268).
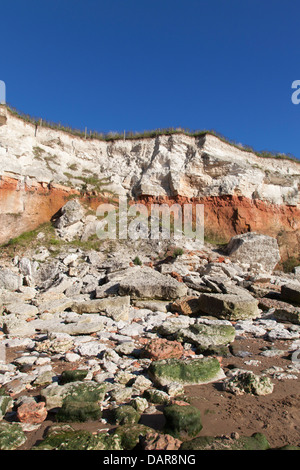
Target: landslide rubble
(90,336)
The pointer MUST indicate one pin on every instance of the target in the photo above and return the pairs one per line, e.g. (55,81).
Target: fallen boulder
(229,306)
(245,381)
(146,283)
(291,292)
(64,437)
(126,414)
(205,336)
(185,371)
(287,313)
(115,307)
(161,348)
(186,306)
(10,280)
(130,434)
(55,395)
(33,413)
(254,248)
(182,421)
(12,436)
(69,214)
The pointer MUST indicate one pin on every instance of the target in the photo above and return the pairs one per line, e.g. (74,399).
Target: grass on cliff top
(130,135)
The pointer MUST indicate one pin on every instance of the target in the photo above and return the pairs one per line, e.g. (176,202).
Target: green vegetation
(66,440)
(177,252)
(185,372)
(27,237)
(11,436)
(207,337)
(38,152)
(64,437)
(93,180)
(182,421)
(130,434)
(41,155)
(126,414)
(137,261)
(255,442)
(82,403)
(68,376)
(213,238)
(29,240)
(156,396)
(5,402)
(78,411)
(114,136)
(289,264)
(73,167)
(50,159)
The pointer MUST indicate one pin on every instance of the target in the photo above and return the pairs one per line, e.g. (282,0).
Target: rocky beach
(146,344)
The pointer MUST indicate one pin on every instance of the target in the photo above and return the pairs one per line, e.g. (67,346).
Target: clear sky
(110,65)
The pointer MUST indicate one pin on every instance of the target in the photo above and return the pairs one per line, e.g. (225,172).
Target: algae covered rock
(139,404)
(105,442)
(182,421)
(220,351)
(68,376)
(82,402)
(11,436)
(126,414)
(130,434)
(6,402)
(231,307)
(244,381)
(120,394)
(64,437)
(255,442)
(176,390)
(158,397)
(88,391)
(205,336)
(78,411)
(186,372)
(172,325)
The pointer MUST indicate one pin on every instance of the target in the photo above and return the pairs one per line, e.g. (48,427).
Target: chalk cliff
(41,167)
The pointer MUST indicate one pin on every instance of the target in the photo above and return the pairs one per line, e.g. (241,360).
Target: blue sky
(111,65)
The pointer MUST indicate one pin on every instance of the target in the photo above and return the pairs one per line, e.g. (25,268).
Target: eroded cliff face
(41,168)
